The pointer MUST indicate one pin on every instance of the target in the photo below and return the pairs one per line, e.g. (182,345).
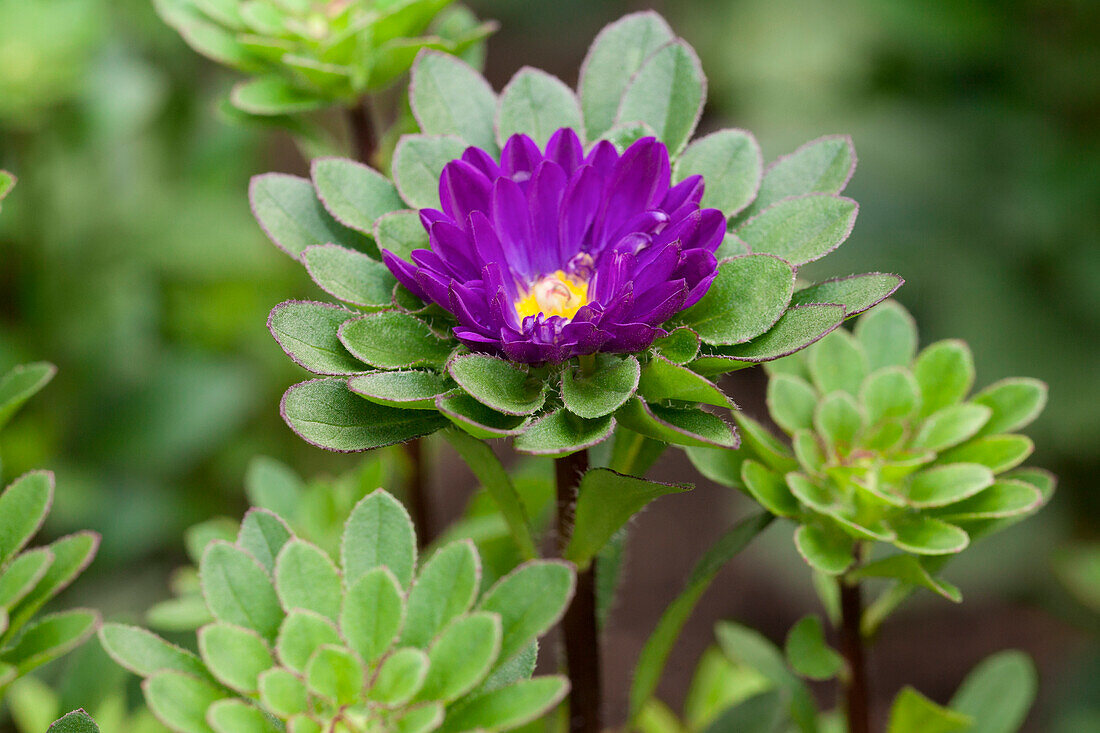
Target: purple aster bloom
(547,255)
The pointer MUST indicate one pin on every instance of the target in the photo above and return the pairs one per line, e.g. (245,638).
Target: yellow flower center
(554,295)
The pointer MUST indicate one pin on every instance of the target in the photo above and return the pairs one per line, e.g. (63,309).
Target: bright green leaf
(236,656)
(610,385)
(807,652)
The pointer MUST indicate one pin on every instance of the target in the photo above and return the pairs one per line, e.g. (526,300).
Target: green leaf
(372,613)
(808,451)
(889,336)
(912,712)
(479,420)
(238,590)
(401,232)
(234,655)
(273,95)
(1005,498)
(889,393)
(662,380)
(747,297)
(605,390)
(537,104)
(807,652)
(908,569)
(856,293)
(450,98)
(355,194)
(291,215)
(77,721)
(760,713)
(379,532)
(50,637)
(198,536)
(408,390)
(560,433)
(491,474)
(765,446)
(20,384)
(680,346)
(498,384)
(237,716)
(811,493)
(731,165)
(444,589)
(802,229)
(461,656)
(720,465)
(622,136)
(945,373)
(302,634)
(400,677)
(394,340)
(820,166)
(769,489)
(23,507)
(71,554)
(308,333)
(181,701)
(283,693)
(998,693)
(1015,403)
(350,276)
(607,502)
(799,327)
(207,38)
(418,163)
(929,536)
(998,452)
(614,58)
(145,653)
(21,576)
(274,486)
(826,551)
(690,427)
(667,93)
(325,414)
(262,535)
(943,485)
(837,363)
(791,402)
(529,600)
(651,662)
(950,426)
(838,419)
(507,707)
(335,674)
(306,578)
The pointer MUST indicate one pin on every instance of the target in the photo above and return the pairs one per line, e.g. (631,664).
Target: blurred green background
(128,256)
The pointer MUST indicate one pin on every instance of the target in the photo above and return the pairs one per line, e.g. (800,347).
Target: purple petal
(404,272)
(545,196)
(662,301)
(520,157)
(565,149)
(513,224)
(484,162)
(632,337)
(603,156)
(687,191)
(463,189)
(579,207)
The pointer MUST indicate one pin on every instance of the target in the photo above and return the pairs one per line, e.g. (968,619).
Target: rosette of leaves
(307,54)
(371,642)
(888,446)
(748,683)
(391,368)
(29,579)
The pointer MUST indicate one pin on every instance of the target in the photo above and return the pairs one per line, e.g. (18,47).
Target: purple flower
(544,256)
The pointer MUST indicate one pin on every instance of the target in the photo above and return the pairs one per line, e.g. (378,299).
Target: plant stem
(363,138)
(579,627)
(856,698)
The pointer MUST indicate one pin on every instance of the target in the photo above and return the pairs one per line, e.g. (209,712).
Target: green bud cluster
(375,642)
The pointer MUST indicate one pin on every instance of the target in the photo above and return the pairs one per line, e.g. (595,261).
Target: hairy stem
(856,697)
(579,627)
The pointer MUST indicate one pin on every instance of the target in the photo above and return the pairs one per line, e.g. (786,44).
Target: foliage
(370,640)
(391,370)
(886,448)
(304,55)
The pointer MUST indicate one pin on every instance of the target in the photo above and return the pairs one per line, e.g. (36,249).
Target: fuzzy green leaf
(618,52)
(607,502)
(820,166)
(763,445)
(802,229)
(908,569)
(306,578)
(50,637)
(807,652)
(77,721)
(20,384)
(889,393)
(791,402)
(799,327)
(325,414)
(945,373)
(401,232)
(837,363)
(393,340)
(71,554)
(477,419)
(445,588)
(181,701)
(418,163)
(720,465)
(889,336)
(529,601)
(22,575)
(610,385)
(498,384)
(689,427)
(998,693)
(747,297)
(335,674)
(237,716)
(929,536)
(680,346)
(234,655)
(662,380)
(409,390)
(450,98)
(262,535)
(950,426)
(826,551)
(838,419)
(372,613)
(293,217)
(238,590)
(309,334)
(400,677)
(355,194)
(912,712)
(998,452)
(769,489)
(560,433)
(23,507)
(379,532)
(944,485)
(283,693)
(1005,498)
(461,656)
(731,165)
(667,93)
(856,293)
(507,707)
(536,104)
(302,634)
(145,653)
(1014,402)
(350,276)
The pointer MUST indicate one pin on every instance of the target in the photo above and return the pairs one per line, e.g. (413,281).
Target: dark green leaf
(77,721)
(450,98)
(856,293)
(479,420)
(610,385)
(351,276)
(731,165)
(690,427)
(355,194)
(498,384)
(799,327)
(309,334)
(769,489)
(802,229)
(662,380)
(747,297)
(560,432)
(393,340)
(409,390)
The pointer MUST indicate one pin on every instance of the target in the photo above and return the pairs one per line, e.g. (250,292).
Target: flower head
(551,254)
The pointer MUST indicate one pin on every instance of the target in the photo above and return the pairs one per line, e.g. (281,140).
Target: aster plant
(557,267)
(371,640)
